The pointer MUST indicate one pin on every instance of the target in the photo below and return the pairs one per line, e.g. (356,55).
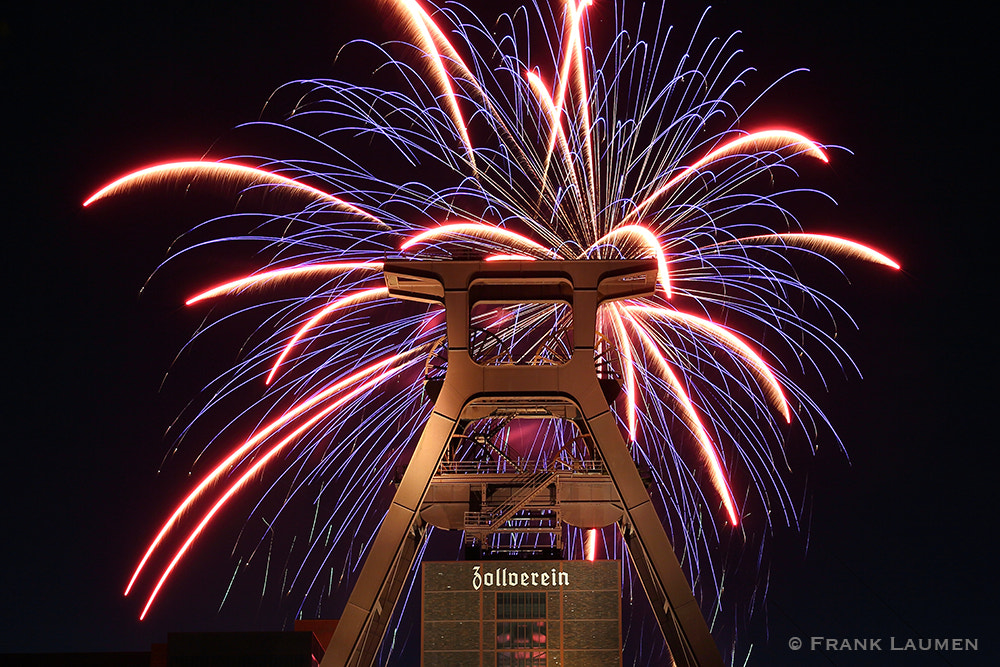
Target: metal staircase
(527,487)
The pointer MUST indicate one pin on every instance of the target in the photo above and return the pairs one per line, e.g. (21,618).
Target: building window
(521,640)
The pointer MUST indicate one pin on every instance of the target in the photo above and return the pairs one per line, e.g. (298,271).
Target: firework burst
(506,144)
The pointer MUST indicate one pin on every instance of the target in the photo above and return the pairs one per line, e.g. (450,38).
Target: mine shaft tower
(435,490)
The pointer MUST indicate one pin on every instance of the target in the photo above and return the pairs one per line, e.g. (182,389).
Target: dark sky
(902,537)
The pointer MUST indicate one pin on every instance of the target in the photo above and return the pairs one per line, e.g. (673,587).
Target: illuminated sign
(528,613)
(504,578)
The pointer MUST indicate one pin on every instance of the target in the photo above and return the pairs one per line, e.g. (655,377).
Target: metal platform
(476,498)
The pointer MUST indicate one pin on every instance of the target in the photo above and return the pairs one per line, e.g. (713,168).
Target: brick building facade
(521,613)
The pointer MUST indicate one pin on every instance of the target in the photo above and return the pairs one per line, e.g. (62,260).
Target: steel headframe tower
(459,285)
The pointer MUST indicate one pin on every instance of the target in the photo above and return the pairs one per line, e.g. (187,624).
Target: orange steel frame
(458,286)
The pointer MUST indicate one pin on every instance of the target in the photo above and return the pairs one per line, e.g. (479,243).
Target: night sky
(902,537)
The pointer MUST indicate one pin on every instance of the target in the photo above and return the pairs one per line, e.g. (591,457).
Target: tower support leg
(667,589)
(362,626)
